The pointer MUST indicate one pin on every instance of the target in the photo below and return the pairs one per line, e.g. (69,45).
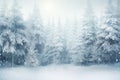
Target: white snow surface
(61,72)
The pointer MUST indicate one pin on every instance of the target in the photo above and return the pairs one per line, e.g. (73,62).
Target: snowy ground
(65,72)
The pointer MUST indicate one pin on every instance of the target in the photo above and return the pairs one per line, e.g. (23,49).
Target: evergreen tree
(3,26)
(18,41)
(64,56)
(4,32)
(54,46)
(88,37)
(108,39)
(75,49)
(36,33)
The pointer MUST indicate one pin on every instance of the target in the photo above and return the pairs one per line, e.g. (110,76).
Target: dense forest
(30,43)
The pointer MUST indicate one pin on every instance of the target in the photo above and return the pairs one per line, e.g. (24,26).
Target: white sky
(60,8)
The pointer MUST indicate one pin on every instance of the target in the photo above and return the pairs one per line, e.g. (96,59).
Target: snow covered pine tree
(108,37)
(36,38)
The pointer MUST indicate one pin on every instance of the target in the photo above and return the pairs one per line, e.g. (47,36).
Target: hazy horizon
(59,8)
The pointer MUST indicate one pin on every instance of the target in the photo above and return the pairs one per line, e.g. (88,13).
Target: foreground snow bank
(66,72)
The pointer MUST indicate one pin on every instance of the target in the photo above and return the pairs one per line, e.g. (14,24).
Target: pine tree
(36,33)
(63,56)
(54,46)
(3,27)
(88,37)
(18,41)
(108,39)
(75,49)
(4,36)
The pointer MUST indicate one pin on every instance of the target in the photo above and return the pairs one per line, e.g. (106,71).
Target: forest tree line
(29,43)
